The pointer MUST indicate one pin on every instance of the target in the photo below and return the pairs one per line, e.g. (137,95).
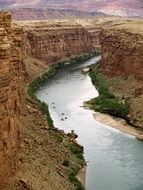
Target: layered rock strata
(9,96)
(122,53)
(122,63)
(52,42)
(44,41)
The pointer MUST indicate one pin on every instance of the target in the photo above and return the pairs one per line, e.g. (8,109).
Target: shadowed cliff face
(9,96)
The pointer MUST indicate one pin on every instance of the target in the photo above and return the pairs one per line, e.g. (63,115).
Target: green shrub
(110,106)
(35,85)
(37,82)
(106,102)
(65,162)
(45,109)
(72,177)
(77,150)
(59,138)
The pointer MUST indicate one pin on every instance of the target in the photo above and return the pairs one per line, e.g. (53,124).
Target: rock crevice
(10,57)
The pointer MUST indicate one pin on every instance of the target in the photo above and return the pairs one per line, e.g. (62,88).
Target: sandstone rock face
(52,42)
(122,63)
(9,96)
(94,33)
(122,53)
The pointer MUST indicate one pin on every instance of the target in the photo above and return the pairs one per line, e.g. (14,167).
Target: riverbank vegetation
(35,85)
(51,71)
(106,102)
(72,177)
(77,59)
(38,81)
(75,149)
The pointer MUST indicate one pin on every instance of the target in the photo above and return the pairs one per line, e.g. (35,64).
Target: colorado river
(114,159)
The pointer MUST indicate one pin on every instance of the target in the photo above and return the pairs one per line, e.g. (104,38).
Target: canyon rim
(34,155)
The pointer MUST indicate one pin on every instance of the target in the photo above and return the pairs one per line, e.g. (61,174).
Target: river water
(114,159)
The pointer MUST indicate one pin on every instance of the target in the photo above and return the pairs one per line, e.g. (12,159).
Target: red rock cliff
(52,42)
(44,41)
(122,63)
(9,97)
(122,53)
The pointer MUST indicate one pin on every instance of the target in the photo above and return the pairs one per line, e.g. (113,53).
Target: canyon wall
(46,43)
(122,53)
(49,42)
(52,42)
(9,96)
(122,63)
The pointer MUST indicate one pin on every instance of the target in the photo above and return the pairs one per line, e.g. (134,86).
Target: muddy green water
(114,159)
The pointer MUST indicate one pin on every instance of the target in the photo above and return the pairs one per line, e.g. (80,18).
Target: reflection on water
(115,160)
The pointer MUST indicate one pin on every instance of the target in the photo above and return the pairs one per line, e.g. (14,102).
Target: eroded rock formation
(46,42)
(9,96)
(52,42)
(122,53)
(122,63)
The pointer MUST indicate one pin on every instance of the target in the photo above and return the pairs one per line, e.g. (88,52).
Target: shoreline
(108,109)
(77,178)
(49,158)
(119,124)
(81,176)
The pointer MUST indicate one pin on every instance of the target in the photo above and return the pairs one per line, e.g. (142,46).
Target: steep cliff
(94,27)
(9,96)
(122,55)
(43,149)
(54,41)
(122,52)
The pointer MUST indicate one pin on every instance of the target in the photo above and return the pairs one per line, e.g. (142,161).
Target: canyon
(26,141)
(27,49)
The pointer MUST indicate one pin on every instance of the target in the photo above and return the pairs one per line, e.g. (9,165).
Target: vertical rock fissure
(9,96)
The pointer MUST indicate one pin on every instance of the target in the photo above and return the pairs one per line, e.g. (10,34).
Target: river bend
(114,159)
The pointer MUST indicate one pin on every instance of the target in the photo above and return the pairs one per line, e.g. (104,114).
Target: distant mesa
(128,8)
(46,13)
